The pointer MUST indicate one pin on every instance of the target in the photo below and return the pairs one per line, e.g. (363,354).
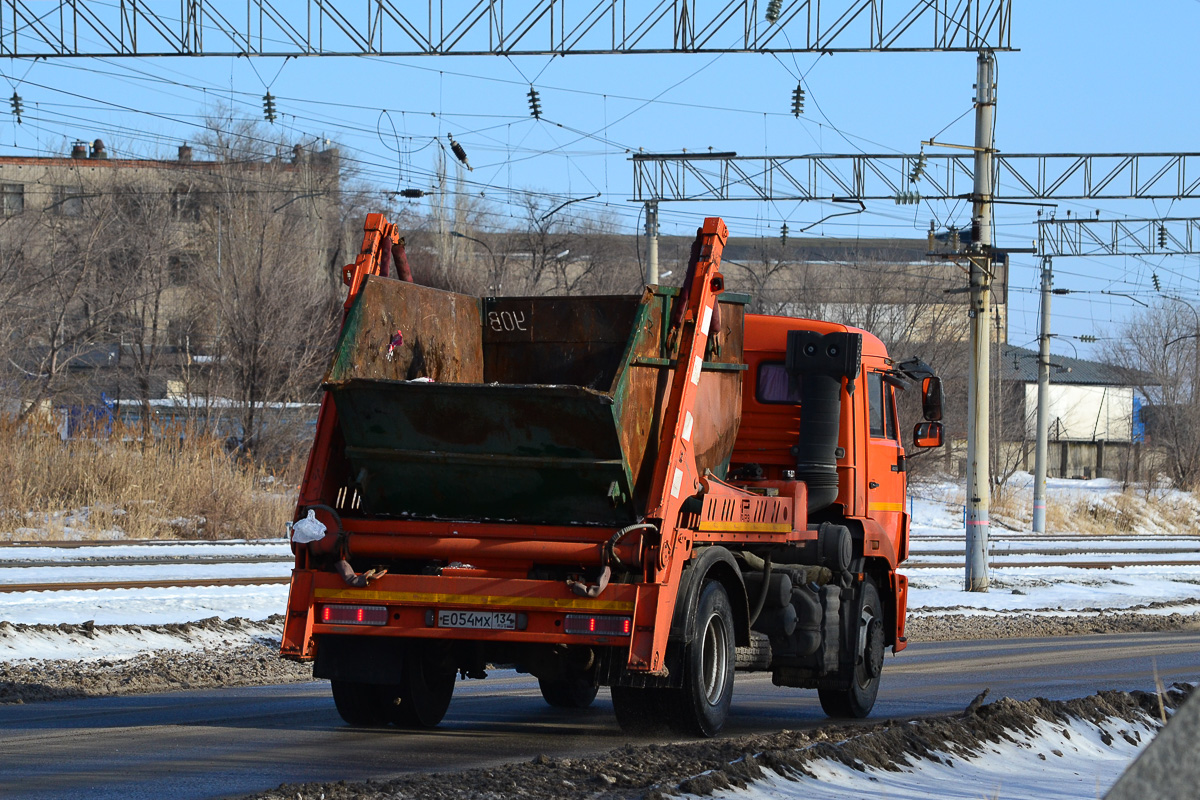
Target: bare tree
(267,282)
(150,254)
(79,290)
(1164,367)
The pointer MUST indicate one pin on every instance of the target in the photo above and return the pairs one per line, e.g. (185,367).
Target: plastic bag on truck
(309,529)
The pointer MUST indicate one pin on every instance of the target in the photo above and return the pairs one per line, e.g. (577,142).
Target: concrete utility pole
(1043,406)
(651,243)
(978,442)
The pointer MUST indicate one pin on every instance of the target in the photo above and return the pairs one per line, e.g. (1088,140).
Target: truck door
(885,457)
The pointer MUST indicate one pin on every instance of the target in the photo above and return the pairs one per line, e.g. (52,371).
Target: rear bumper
(412,603)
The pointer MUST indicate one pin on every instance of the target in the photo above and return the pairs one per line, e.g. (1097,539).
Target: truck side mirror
(927,434)
(932,398)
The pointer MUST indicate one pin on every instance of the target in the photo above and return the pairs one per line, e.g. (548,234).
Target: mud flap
(298,641)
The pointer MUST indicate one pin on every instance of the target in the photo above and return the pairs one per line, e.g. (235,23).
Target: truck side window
(875,404)
(773,385)
(889,410)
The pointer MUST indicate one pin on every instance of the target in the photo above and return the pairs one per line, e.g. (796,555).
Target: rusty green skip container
(540,410)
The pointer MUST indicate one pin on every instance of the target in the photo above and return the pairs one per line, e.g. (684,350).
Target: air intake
(818,363)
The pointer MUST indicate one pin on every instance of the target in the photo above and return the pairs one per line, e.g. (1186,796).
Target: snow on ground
(1077,760)
(117,644)
(143,606)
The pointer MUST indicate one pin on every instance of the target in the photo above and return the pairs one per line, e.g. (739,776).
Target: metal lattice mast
(1022,176)
(79,29)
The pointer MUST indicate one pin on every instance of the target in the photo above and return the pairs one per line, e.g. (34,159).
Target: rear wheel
(424,692)
(641,711)
(363,704)
(856,700)
(568,692)
(703,702)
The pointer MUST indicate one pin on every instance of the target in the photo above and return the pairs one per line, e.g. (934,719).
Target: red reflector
(598,625)
(354,615)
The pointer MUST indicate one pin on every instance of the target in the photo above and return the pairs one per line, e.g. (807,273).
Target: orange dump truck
(645,492)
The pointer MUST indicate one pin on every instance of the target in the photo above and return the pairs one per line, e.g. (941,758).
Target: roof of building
(1020,364)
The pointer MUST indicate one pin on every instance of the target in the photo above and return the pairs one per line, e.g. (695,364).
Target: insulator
(459,153)
(773,9)
(15,100)
(269,107)
(1162,235)
(918,169)
(798,100)
(783,232)
(1157,283)
(908,198)
(1087,337)
(535,105)
(412,194)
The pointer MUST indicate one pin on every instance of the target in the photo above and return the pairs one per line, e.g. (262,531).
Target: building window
(185,203)
(68,201)
(12,199)
(181,268)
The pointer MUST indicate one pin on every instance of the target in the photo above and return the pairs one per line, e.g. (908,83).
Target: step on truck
(640,492)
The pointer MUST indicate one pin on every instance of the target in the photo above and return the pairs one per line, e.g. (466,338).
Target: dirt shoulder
(244,655)
(654,771)
(953,627)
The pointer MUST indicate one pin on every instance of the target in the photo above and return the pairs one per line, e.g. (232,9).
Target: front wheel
(707,692)
(856,700)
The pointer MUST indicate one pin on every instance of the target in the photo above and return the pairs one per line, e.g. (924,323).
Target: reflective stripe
(438,598)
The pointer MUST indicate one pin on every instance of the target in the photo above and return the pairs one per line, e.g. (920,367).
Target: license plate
(491,620)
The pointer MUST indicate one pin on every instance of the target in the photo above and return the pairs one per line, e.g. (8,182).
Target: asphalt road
(227,742)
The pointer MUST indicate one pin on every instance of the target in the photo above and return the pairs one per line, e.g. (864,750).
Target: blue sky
(1089,77)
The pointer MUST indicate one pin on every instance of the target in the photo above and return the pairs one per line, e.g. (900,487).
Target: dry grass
(1134,510)
(118,486)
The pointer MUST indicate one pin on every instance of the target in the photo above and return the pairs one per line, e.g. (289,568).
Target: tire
(703,702)
(856,700)
(363,704)
(424,692)
(568,692)
(641,712)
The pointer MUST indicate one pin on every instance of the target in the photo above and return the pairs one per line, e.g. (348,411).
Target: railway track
(179,583)
(80,566)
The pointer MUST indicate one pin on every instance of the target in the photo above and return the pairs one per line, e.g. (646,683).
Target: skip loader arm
(676,478)
(379,236)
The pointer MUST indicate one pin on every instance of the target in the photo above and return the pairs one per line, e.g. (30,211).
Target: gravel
(655,771)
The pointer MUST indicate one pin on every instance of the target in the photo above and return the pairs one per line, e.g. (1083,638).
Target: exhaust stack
(818,363)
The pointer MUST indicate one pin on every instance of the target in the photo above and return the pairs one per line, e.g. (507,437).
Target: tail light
(354,615)
(589,625)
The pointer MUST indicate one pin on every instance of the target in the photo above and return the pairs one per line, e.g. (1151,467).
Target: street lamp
(495,287)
